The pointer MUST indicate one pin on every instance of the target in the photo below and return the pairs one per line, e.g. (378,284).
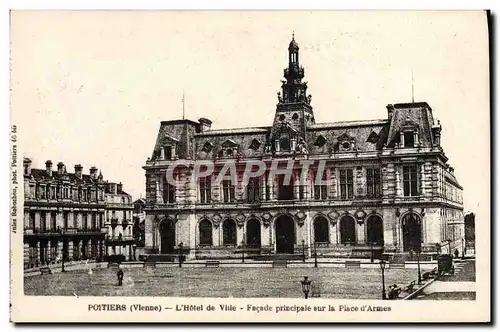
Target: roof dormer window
(346,143)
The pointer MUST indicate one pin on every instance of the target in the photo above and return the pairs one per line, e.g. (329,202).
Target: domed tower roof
(293,44)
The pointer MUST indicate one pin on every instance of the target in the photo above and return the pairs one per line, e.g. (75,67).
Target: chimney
(61,169)
(119,187)
(27,166)
(48,167)
(78,171)
(390,109)
(93,172)
(205,124)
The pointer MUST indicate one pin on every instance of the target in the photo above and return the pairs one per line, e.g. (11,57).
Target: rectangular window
(205,190)
(168,153)
(228,191)
(320,187)
(32,220)
(53,223)
(43,221)
(168,193)
(373,182)
(285,189)
(409,139)
(84,221)
(66,220)
(253,190)
(94,221)
(410,181)
(346,184)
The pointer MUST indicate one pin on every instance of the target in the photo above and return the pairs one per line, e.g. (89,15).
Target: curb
(418,291)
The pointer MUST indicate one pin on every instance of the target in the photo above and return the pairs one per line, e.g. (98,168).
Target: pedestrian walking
(119,275)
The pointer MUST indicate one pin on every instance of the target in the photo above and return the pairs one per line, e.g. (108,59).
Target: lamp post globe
(306,287)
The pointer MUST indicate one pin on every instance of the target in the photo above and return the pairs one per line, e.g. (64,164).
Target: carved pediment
(229,143)
(167,139)
(345,137)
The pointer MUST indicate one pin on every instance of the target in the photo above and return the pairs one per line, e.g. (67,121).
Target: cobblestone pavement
(342,283)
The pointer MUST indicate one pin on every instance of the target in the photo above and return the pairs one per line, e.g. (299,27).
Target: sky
(91,87)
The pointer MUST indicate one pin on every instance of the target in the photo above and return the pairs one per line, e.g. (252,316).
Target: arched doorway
(229,232)
(347,230)
(253,233)
(285,234)
(167,236)
(205,228)
(375,230)
(412,232)
(321,230)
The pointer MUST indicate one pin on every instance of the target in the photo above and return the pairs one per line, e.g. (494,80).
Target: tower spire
(183,108)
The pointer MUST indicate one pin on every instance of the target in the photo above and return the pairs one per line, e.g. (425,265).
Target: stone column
(37,254)
(401,139)
(309,237)
(240,234)
(333,232)
(360,232)
(399,191)
(264,235)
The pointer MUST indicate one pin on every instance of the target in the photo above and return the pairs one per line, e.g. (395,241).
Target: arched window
(229,232)
(375,230)
(205,233)
(347,230)
(253,233)
(412,232)
(321,230)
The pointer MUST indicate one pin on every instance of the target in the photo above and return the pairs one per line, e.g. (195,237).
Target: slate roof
(320,138)
(42,175)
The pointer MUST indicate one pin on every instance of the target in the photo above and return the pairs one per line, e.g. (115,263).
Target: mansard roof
(42,175)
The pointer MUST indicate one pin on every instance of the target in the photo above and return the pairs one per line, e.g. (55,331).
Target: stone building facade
(119,236)
(386,184)
(63,213)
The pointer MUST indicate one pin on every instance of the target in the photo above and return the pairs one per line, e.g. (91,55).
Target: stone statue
(280,99)
(309,98)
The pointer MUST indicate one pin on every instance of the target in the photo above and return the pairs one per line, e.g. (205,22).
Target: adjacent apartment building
(73,215)
(387,184)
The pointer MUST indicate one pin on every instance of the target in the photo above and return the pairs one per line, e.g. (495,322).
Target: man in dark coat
(119,275)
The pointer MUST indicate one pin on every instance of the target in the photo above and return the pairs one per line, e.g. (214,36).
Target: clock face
(346,146)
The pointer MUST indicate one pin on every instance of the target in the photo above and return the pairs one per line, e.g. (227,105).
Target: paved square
(360,283)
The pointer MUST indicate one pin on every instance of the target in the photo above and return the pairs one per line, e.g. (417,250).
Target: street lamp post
(463,248)
(306,286)
(382,267)
(315,255)
(63,253)
(180,254)
(303,251)
(418,267)
(243,251)
(371,247)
